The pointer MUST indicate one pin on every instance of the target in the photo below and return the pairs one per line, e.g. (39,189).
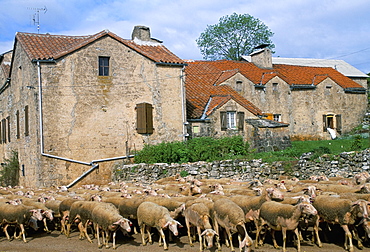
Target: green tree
(233,36)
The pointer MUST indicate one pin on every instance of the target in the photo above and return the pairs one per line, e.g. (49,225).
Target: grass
(333,147)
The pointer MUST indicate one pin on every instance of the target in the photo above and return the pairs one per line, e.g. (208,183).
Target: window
(333,122)
(17,118)
(274,87)
(103,66)
(232,120)
(239,86)
(277,117)
(195,129)
(26,123)
(144,118)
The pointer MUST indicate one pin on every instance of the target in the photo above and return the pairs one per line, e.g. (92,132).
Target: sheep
(106,216)
(341,211)
(175,207)
(150,214)
(64,209)
(46,212)
(81,210)
(230,216)
(19,215)
(279,216)
(198,215)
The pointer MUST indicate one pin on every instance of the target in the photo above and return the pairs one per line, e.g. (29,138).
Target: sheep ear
(166,225)
(179,224)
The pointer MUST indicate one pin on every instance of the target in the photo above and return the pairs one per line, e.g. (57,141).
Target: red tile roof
(46,46)
(204,80)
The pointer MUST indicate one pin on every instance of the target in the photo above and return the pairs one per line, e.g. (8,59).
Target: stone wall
(346,165)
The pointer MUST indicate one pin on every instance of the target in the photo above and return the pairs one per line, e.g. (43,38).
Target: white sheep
(230,216)
(279,216)
(150,214)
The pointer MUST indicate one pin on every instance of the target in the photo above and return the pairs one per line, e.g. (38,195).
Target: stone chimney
(141,35)
(141,32)
(262,58)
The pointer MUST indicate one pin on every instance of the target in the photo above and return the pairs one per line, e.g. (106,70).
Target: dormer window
(274,86)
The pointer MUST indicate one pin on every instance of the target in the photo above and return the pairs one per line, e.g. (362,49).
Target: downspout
(92,163)
(183,107)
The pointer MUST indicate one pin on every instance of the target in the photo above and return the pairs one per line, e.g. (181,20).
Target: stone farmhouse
(271,102)
(72,104)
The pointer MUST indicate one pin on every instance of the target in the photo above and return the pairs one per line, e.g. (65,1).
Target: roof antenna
(36,16)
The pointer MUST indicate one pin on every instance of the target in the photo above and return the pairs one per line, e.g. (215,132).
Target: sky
(320,29)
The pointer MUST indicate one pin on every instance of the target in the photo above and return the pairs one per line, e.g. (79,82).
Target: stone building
(71,105)
(239,97)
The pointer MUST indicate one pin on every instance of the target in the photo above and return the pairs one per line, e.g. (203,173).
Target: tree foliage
(233,36)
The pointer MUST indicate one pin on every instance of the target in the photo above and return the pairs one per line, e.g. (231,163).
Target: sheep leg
(189,234)
(160,230)
(200,239)
(273,239)
(348,238)
(357,238)
(147,228)
(215,226)
(5,229)
(97,234)
(84,229)
(107,236)
(46,229)
(114,239)
(299,241)
(283,230)
(230,238)
(316,233)
(142,230)
(23,232)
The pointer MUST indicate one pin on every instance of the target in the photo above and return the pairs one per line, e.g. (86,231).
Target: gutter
(355,90)
(5,86)
(302,86)
(93,163)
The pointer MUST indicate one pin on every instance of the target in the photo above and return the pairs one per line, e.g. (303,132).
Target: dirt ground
(55,242)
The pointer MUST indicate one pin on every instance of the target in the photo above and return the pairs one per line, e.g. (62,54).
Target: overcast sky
(325,29)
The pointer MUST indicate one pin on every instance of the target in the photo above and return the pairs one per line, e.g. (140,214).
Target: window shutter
(240,120)
(3,124)
(324,123)
(18,132)
(144,118)
(223,120)
(8,122)
(26,123)
(339,123)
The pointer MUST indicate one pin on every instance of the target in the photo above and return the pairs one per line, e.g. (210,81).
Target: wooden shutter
(3,127)
(8,123)
(339,123)
(324,121)
(240,120)
(223,120)
(144,118)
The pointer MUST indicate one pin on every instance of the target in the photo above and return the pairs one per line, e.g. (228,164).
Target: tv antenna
(36,16)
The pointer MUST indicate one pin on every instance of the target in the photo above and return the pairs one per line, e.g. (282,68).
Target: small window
(231,120)
(239,86)
(17,118)
(277,117)
(144,118)
(103,66)
(195,129)
(274,86)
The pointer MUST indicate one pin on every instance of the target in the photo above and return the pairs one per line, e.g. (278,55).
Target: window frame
(104,66)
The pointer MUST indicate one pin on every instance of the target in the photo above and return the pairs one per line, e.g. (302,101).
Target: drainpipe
(183,107)
(92,163)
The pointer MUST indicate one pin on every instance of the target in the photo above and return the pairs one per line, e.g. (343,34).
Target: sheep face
(172,225)
(208,235)
(48,214)
(124,223)
(37,214)
(275,194)
(307,208)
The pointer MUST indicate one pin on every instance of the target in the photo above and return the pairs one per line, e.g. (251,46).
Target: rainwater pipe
(184,122)
(93,163)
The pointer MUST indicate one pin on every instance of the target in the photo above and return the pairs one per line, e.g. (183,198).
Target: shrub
(9,175)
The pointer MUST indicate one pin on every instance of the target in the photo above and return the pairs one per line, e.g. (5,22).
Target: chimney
(141,32)
(262,58)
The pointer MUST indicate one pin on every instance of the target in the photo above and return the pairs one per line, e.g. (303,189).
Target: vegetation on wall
(9,174)
(196,149)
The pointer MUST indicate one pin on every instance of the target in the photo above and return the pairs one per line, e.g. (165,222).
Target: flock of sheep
(214,211)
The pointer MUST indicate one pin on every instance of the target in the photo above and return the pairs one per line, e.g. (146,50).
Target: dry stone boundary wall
(345,165)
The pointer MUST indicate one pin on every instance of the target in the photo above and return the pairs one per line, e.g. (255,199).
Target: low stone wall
(346,165)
